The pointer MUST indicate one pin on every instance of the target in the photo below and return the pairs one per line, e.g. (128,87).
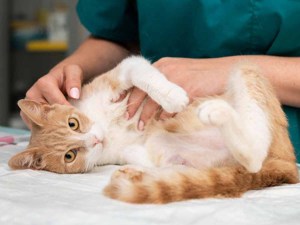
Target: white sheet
(39,197)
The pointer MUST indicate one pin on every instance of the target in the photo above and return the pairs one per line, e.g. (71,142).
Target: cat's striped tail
(177,183)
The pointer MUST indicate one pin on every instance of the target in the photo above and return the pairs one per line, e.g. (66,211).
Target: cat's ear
(31,158)
(36,112)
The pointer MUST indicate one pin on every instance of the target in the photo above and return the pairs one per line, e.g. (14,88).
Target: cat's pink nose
(96,141)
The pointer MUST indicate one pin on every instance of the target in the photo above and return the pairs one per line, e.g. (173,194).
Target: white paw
(215,112)
(172,99)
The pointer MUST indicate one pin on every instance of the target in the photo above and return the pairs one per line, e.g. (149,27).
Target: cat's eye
(73,123)
(70,156)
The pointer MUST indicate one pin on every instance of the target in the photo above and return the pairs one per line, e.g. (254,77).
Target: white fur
(137,155)
(202,149)
(245,128)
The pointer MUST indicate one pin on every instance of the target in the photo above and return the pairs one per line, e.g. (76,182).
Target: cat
(216,146)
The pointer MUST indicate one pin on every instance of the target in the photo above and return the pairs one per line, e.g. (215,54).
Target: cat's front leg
(242,133)
(138,72)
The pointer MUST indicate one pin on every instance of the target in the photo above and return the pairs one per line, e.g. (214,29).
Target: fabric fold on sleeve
(114,20)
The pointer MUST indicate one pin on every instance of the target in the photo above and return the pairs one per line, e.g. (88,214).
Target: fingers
(149,110)
(55,96)
(135,100)
(165,115)
(50,87)
(73,75)
(46,89)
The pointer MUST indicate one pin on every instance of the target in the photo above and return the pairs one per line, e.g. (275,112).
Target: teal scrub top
(201,29)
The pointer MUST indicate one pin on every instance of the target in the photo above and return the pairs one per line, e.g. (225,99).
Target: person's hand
(198,77)
(55,86)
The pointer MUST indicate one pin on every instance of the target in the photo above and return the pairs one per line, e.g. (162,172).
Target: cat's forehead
(60,114)
(64,110)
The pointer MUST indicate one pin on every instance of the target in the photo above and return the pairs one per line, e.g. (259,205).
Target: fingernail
(141,125)
(74,93)
(126,116)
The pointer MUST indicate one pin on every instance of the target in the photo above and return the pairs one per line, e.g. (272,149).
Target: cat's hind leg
(242,122)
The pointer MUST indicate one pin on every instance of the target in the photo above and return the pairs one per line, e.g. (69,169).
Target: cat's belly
(202,149)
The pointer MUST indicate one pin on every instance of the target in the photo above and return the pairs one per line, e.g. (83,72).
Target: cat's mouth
(95,144)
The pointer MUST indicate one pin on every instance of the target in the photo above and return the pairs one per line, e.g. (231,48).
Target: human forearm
(283,73)
(95,56)
(212,74)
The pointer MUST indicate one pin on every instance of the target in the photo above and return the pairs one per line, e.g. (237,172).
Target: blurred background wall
(34,36)
(4,49)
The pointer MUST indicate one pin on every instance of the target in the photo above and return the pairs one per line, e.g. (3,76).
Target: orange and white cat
(217,146)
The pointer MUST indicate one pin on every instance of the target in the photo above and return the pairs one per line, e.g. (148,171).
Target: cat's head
(63,139)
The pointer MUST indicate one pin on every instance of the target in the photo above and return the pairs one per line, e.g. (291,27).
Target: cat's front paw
(174,99)
(215,112)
